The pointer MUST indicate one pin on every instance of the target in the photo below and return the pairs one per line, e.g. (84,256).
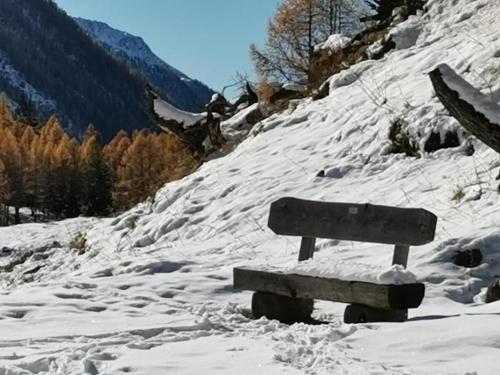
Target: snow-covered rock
(334,43)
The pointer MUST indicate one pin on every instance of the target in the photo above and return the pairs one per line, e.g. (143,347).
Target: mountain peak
(177,87)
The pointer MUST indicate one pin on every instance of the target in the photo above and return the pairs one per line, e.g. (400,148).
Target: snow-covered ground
(152,293)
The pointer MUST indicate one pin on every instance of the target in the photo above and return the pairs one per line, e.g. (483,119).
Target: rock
(493,293)
(469,149)
(56,245)
(219,104)
(435,143)
(322,92)
(255,116)
(468,258)
(286,95)
(498,176)
(89,367)
(5,251)
(321,174)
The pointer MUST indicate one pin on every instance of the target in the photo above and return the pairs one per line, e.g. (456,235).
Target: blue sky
(206,39)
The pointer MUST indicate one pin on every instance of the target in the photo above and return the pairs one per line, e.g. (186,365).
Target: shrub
(79,243)
(400,139)
(458,194)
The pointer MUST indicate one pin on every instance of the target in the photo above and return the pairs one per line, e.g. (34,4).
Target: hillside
(153,294)
(64,71)
(178,88)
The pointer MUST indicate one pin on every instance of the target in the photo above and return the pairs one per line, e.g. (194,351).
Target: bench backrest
(352,222)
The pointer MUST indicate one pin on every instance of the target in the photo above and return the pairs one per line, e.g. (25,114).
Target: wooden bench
(289,297)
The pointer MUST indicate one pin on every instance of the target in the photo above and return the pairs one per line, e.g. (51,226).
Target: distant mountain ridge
(48,58)
(177,87)
(44,55)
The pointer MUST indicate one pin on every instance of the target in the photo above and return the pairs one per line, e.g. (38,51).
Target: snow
(335,42)
(237,126)
(482,103)
(351,271)
(167,111)
(153,292)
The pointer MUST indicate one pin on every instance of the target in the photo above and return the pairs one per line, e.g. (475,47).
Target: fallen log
(476,112)
(199,131)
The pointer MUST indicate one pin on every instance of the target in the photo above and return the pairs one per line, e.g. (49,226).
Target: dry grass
(458,194)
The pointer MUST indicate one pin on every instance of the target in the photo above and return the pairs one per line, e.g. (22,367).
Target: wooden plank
(307,248)
(352,222)
(285,309)
(401,255)
(389,297)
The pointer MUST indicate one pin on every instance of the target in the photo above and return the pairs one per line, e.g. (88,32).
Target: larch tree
(6,115)
(114,153)
(137,174)
(68,191)
(296,28)
(10,154)
(29,168)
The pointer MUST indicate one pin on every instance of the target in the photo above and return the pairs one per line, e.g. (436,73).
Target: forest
(51,175)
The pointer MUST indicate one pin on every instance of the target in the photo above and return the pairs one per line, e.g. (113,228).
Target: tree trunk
(469,117)
(17,216)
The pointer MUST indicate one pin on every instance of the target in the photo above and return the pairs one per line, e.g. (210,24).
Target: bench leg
(285,309)
(365,314)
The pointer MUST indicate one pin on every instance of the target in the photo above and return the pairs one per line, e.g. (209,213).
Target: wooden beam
(352,222)
(389,297)
(401,255)
(465,113)
(285,309)
(194,136)
(307,248)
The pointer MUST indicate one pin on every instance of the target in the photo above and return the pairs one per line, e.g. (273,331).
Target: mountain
(186,93)
(45,55)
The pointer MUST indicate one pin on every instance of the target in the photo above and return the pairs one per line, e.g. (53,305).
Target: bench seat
(388,297)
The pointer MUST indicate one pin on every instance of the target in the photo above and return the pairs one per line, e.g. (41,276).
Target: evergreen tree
(97,177)
(6,117)
(29,167)
(10,154)
(27,112)
(67,195)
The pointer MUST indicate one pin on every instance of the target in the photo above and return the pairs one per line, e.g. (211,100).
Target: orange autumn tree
(294,31)
(46,171)
(141,165)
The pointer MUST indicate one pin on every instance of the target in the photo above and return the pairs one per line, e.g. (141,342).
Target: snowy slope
(188,94)
(12,78)
(153,294)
